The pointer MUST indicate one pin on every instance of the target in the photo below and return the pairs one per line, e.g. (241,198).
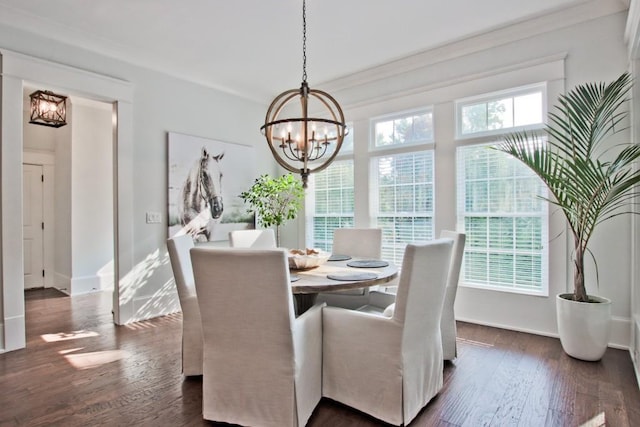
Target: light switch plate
(153,218)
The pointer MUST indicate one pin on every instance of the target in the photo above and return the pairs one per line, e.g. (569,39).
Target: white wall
(62,205)
(160,104)
(593,50)
(92,248)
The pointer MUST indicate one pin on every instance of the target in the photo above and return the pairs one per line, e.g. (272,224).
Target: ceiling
(253,48)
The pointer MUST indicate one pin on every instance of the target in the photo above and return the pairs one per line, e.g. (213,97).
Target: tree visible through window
(504,220)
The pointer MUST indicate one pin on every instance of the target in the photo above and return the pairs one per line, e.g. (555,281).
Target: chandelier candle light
(299,143)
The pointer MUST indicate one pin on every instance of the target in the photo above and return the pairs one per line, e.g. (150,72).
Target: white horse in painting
(200,206)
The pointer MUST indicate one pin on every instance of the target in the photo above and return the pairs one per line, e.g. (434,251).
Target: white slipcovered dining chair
(355,242)
(391,367)
(180,258)
(262,365)
(383,303)
(256,239)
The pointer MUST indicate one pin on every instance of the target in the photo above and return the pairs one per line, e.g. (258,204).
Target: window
(403,200)
(505,222)
(332,204)
(495,113)
(330,198)
(411,129)
(402,180)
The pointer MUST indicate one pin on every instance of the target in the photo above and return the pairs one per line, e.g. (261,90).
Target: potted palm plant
(590,183)
(274,200)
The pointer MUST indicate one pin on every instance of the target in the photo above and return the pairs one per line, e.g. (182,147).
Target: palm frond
(588,183)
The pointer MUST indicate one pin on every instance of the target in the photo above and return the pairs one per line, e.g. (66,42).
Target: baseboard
(62,283)
(620,330)
(15,337)
(93,283)
(1,338)
(148,307)
(635,349)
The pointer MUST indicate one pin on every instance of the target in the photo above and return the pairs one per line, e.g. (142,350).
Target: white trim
(38,157)
(90,284)
(485,98)
(521,30)
(619,328)
(62,283)
(65,78)
(550,67)
(17,70)
(632,30)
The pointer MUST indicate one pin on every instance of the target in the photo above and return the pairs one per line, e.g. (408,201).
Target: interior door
(33,225)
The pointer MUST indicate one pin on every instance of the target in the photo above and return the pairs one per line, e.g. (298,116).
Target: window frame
(373,148)
(309,203)
(491,138)
(376,152)
(459,104)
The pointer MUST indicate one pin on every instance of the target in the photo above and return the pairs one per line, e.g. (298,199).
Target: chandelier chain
(304,40)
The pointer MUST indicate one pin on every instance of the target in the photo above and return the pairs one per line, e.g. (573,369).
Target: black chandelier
(48,109)
(298,142)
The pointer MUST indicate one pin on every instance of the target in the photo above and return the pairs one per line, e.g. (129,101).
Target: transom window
(407,129)
(495,113)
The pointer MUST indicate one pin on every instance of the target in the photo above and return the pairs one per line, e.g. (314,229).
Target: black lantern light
(48,109)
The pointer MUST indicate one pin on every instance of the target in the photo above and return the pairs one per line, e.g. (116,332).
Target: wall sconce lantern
(48,109)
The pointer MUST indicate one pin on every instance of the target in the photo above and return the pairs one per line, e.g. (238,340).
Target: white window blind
(504,220)
(403,200)
(332,205)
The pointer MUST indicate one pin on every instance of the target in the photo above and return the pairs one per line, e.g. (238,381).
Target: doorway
(33,225)
(17,71)
(78,199)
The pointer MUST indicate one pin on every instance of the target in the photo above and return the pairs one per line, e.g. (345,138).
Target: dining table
(340,272)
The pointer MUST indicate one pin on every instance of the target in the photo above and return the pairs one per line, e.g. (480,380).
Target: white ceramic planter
(584,328)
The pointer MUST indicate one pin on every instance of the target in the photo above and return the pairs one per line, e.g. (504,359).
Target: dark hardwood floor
(80,370)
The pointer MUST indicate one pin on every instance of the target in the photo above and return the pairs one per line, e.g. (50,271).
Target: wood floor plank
(80,369)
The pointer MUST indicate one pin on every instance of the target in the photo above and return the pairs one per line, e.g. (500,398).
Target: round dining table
(338,276)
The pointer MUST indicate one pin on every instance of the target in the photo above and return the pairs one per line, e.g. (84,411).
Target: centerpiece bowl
(304,259)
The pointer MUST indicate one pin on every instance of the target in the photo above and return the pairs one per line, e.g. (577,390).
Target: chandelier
(298,142)
(48,109)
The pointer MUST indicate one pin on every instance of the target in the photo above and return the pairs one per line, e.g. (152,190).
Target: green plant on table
(274,200)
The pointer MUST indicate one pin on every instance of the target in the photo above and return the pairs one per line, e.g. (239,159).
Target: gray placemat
(338,257)
(294,278)
(368,263)
(350,277)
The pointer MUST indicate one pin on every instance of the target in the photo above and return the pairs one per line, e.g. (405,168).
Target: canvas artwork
(205,180)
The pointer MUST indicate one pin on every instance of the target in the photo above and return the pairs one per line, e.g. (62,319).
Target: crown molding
(526,28)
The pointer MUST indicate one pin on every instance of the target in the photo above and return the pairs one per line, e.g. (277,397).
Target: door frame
(47,161)
(16,69)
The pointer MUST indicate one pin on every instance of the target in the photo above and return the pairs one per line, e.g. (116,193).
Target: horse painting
(200,206)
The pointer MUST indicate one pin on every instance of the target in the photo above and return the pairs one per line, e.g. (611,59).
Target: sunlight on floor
(597,421)
(64,336)
(471,342)
(155,322)
(95,359)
